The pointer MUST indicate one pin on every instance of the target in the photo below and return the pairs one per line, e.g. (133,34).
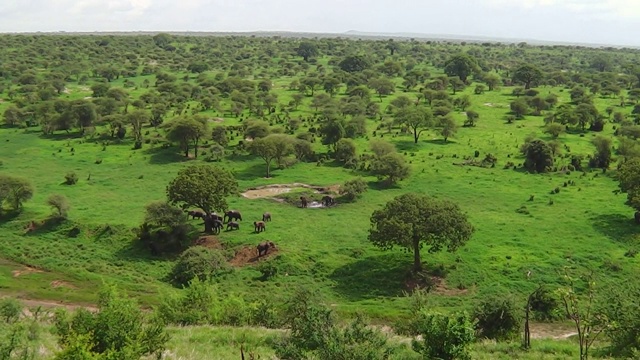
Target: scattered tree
(414,221)
(417,118)
(60,204)
(528,75)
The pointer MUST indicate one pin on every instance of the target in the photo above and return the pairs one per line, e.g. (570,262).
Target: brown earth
(26,270)
(209,241)
(62,284)
(248,255)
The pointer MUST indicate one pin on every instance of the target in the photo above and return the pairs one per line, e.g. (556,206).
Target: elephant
(232,214)
(215,216)
(233,225)
(304,202)
(263,248)
(217,226)
(259,226)
(195,214)
(266,216)
(328,201)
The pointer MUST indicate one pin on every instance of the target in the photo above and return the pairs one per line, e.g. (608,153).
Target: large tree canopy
(417,118)
(528,75)
(202,186)
(461,65)
(414,221)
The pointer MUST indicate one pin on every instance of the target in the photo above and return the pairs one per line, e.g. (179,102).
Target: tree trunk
(417,264)
(415,136)
(269,169)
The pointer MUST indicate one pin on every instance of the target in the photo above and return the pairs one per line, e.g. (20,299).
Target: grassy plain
(583,226)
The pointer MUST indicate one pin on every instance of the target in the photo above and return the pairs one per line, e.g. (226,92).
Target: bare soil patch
(62,284)
(248,255)
(209,241)
(554,331)
(216,120)
(275,189)
(25,271)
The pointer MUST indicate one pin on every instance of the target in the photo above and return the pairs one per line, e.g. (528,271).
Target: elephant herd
(230,218)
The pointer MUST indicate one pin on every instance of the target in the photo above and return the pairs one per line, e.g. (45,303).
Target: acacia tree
(461,65)
(187,131)
(527,74)
(273,147)
(137,119)
(307,49)
(202,186)
(414,221)
(14,191)
(417,118)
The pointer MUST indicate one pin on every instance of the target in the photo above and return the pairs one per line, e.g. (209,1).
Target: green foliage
(199,262)
(527,75)
(462,66)
(14,191)
(539,156)
(219,135)
(273,147)
(163,214)
(629,181)
(256,130)
(555,129)
(202,186)
(418,119)
(497,317)
(352,189)
(446,337)
(354,63)
(71,178)
(448,127)
(313,333)
(119,330)
(187,132)
(345,151)
(60,204)
(620,307)
(545,304)
(415,221)
(10,310)
(602,157)
(307,49)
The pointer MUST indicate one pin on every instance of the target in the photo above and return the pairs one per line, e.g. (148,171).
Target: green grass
(587,225)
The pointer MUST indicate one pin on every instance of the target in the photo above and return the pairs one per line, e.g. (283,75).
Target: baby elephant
(266,216)
(259,226)
(233,225)
(264,247)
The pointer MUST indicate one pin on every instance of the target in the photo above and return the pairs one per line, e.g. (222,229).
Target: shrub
(60,204)
(352,189)
(545,305)
(444,336)
(199,262)
(14,191)
(10,309)
(345,150)
(497,317)
(71,178)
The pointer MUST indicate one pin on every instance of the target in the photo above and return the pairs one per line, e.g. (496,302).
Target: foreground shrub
(119,330)
(545,305)
(497,317)
(352,189)
(199,262)
(445,337)
(314,334)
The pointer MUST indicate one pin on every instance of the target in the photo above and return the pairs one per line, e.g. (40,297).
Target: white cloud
(609,9)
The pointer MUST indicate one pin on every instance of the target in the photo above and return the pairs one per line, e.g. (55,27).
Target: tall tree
(307,49)
(188,132)
(202,186)
(415,221)
(417,118)
(528,75)
(272,147)
(137,119)
(462,66)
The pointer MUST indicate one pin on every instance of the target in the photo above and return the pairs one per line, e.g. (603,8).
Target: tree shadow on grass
(61,136)
(372,277)
(256,171)
(407,145)
(382,185)
(441,142)
(617,227)
(161,156)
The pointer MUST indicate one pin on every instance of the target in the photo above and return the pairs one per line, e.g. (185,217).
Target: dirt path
(275,189)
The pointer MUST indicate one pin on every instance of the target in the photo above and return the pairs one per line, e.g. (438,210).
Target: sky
(611,22)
